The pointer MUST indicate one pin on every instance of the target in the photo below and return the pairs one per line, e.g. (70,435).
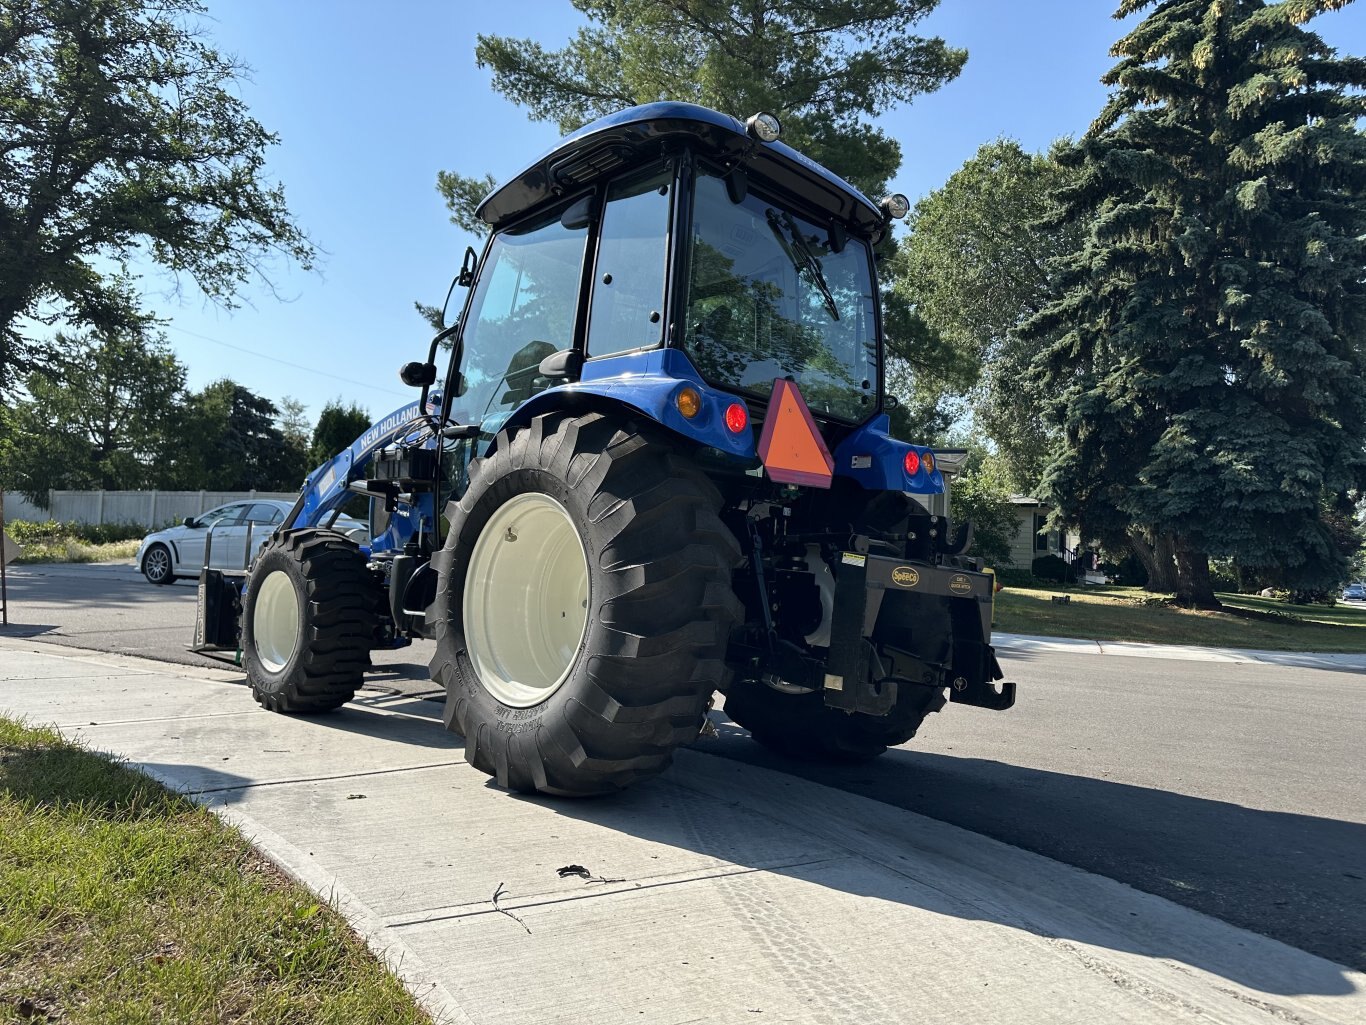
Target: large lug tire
(308,621)
(583,606)
(157,566)
(801,726)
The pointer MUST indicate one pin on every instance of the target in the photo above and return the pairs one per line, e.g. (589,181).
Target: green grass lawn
(1118,614)
(121,902)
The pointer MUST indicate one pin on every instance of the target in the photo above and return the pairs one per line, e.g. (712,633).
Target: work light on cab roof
(764,127)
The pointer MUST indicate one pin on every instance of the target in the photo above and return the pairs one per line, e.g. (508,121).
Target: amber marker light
(912,463)
(929,462)
(689,402)
(737,417)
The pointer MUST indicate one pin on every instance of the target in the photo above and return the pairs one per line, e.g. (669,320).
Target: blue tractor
(661,452)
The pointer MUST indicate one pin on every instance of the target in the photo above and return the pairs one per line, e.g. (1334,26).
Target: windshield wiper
(789,236)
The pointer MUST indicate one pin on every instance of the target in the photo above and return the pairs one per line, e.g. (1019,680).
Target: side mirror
(417,375)
(191,522)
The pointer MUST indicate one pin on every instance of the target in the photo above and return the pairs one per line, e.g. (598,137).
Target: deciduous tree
(976,264)
(103,415)
(122,136)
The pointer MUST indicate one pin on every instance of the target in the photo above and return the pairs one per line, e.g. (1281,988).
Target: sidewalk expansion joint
(160,718)
(484,907)
(318,779)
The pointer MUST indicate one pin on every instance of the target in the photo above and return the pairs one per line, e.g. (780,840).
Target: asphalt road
(1237,790)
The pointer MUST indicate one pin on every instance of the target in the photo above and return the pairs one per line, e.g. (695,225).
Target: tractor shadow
(1295,878)
(1243,866)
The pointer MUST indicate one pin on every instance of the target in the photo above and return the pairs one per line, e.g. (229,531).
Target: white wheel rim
(526,600)
(275,621)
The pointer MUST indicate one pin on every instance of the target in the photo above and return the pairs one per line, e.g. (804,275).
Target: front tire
(583,606)
(308,622)
(157,566)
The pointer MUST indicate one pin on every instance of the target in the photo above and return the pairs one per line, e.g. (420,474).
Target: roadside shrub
(107,533)
(1224,576)
(30,532)
(1127,570)
(1010,576)
(52,532)
(1312,597)
(1051,567)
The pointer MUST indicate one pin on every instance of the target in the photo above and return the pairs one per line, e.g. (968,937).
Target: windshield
(769,298)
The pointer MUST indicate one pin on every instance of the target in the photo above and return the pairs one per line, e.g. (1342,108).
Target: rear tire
(801,726)
(308,622)
(577,661)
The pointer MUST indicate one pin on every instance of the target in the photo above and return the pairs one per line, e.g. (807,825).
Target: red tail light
(737,417)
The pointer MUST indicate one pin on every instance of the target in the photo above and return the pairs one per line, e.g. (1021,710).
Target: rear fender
(647,384)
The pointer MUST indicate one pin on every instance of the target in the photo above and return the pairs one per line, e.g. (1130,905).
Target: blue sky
(370,102)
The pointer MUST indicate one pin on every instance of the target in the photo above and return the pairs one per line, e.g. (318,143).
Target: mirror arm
(441,336)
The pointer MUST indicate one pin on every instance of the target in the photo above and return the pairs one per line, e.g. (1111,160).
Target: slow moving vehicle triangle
(791,446)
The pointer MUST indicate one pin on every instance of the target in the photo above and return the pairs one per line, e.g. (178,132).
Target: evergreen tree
(825,69)
(1207,352)
(338,427)
(230,442)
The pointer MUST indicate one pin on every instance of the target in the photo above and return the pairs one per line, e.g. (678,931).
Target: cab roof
(621,140)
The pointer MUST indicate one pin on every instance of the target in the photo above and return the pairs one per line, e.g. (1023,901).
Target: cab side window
(524,308)
(628,279)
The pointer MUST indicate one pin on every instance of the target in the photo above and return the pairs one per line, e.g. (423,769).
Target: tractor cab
(673,242)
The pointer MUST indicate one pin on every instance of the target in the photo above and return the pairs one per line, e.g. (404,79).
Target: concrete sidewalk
(720,892)
(1187,652)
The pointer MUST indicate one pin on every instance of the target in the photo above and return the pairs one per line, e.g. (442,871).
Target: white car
(239,530)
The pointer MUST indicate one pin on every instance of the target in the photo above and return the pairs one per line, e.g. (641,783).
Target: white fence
(144,508)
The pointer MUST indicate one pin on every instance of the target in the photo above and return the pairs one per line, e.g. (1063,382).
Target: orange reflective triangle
(790,445)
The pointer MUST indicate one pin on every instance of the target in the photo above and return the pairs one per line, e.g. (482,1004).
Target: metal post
(4,584)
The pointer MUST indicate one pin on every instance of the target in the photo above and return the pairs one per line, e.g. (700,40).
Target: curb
(1342,661)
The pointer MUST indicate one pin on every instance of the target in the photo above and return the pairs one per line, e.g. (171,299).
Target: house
(1032,538)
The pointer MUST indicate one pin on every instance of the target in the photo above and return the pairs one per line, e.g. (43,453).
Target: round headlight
(896,206)
(764,127)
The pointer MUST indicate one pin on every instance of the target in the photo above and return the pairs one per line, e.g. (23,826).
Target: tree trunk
(1195,589)
(1166,559)
(1158,560)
